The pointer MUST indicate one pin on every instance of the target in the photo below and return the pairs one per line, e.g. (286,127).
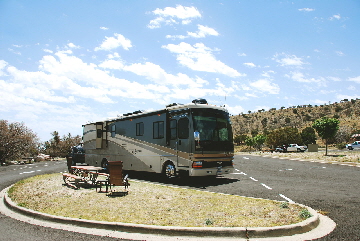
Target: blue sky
(65,63)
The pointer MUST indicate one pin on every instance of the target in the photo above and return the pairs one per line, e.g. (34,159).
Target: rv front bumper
(215,171)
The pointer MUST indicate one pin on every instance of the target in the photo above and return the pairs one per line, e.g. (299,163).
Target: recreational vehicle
(182,139)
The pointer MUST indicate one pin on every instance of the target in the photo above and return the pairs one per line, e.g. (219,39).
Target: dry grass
(152,204)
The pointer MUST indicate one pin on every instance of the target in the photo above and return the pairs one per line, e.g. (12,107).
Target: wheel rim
(169,171)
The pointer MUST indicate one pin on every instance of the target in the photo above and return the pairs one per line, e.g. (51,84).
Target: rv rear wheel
(169,170)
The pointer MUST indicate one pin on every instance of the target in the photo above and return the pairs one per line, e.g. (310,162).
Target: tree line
(325,127)
(18,141)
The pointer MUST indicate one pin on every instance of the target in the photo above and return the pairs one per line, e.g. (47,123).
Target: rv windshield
(212,129)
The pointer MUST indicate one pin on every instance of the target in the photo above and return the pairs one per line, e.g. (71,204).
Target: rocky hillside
(347,111)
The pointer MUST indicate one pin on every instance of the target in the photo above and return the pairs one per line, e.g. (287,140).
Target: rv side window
(140,129)
(158,130)
(99,133)
(113,130)
(173,129)
(183,127)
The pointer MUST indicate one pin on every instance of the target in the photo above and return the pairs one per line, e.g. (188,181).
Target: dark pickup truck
(76,155)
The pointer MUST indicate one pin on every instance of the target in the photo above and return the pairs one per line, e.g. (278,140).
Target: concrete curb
(238,232)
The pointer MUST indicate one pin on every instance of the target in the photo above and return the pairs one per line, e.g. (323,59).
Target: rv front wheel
(169,170)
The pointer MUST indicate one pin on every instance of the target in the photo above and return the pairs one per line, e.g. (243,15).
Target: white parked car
(354,145)
(295,147)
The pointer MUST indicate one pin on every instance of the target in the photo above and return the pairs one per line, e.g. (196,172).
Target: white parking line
(286,198)
(239,173)
(26,172)
(266,186)
(253,179)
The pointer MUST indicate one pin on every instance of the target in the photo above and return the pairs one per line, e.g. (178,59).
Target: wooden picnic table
(88,173)
(82,174)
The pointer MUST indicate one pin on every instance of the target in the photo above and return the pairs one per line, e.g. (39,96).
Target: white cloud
(355,79)
(112,43)
(48,51)
(265,85)
(112,64)
(113,56)
(306,9)
(170,16)
(250,65)
(202,32)
(3,64)
(337,79)
(335,17)
(104,28)
(158,75)
(339,53)
(288,60)
(241,54)
(241,97)
(251,95)
(176,36)
(200,58)
(73,46)
(299,77)
(13,51)
(267,73)
(235,110)
(349,97)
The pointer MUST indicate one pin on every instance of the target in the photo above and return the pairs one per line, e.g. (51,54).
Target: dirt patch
(153,205)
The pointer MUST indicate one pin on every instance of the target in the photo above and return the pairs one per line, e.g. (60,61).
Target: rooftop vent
(199,101)
(173,104)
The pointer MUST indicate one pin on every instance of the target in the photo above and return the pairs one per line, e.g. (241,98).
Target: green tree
(259,140)
(308,136)
(283,136)
(326,129)
(250,142)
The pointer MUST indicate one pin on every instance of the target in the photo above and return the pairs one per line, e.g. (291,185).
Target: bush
(304,214)
(341,146)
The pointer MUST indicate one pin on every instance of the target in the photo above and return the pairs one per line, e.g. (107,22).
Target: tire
(169,170)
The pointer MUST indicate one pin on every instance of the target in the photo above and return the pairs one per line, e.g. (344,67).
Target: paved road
(326,187)
(13,230)
(330,188)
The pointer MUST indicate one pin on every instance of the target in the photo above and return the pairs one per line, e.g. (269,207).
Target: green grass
(152,204)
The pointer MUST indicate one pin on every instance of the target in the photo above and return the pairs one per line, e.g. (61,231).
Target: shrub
(341,146)
(304,214)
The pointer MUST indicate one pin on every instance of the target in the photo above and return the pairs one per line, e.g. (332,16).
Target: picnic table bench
(68,177)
